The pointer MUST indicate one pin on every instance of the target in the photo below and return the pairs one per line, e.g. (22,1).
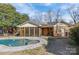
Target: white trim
(34,31)
(27,25)
(29,31)
(39,31)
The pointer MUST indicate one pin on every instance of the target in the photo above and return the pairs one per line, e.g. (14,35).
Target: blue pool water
(17,42)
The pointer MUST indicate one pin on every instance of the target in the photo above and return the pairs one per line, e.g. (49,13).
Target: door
(44,31)
(50,31)
(62,32)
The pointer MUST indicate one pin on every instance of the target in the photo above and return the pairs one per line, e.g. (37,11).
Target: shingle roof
(45,25)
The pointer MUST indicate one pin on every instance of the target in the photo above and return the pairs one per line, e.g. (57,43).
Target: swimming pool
(14,44)
(17,42)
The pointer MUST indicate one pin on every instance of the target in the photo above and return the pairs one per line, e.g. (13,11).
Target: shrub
(74,34)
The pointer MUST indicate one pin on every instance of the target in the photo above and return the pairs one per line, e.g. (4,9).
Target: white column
(24,31)
(34,31)
(39,32)
(29,31)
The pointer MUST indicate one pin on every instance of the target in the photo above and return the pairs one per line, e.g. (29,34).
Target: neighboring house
(60,29)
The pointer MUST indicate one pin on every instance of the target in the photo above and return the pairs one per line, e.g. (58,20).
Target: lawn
(37,51)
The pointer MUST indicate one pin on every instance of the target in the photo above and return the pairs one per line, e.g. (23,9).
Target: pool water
(17,42)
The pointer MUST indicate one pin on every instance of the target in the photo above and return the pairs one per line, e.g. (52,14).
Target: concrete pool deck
(4,48)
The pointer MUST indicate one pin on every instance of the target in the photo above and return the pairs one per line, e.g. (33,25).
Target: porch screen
(31,31)
(36,31)
(27,31)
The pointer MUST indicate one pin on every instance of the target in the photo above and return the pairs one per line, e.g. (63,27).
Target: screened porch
(29,30)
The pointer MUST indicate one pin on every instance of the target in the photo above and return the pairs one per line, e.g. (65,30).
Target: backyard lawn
(37,51)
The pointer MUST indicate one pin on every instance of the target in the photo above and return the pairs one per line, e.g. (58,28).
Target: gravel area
(60,46)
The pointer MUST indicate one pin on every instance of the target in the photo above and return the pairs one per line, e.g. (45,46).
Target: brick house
(60,29)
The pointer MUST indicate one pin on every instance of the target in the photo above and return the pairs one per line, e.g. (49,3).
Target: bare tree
(57,15)
(37,18)
(50,21)
(50,16)
(54,15)
(58,18)
(74,13)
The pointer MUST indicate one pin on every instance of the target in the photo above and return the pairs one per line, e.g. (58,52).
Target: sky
(36,9)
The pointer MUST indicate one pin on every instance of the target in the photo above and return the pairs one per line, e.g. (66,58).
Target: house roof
(54,23)
(35,24)
(27,24)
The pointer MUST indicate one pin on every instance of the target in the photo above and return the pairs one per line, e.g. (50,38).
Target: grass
(37,51)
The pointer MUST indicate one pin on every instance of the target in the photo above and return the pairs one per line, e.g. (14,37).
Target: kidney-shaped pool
(17,42)
(20,43)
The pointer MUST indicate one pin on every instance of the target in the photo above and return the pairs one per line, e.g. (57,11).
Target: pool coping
(4,48)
